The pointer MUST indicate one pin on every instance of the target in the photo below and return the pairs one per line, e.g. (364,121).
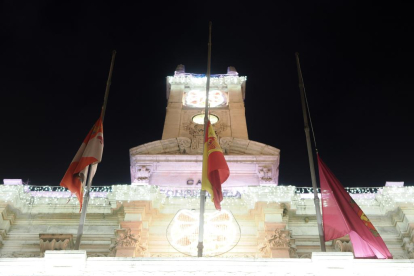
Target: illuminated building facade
(151,225)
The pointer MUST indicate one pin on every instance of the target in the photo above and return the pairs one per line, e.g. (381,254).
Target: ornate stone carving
(279,239)
(197,135)
(55,242)
(408,246)
(125,239)
(196,131)
(140,173)
(225,143)
(184,144)
(293,252)
(343,246)
(220,128)
(265,174)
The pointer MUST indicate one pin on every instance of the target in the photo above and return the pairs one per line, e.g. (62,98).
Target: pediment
(184,145)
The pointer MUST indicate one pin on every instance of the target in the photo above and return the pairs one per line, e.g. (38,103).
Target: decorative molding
(306,256)
(168,255)
(408,246)
(215,80)
(20,255)
(55,242)
(265,174)
(141,173)
(240,255)
(230,145)
(98,255)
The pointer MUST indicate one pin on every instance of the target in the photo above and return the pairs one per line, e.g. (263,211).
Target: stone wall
(125,220)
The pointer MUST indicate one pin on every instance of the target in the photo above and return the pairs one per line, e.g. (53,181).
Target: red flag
(90,153)
(342,216)
(215,168)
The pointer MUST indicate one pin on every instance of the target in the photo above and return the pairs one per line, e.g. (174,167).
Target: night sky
(357,64)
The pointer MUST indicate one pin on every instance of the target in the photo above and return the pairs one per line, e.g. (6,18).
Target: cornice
(181,146)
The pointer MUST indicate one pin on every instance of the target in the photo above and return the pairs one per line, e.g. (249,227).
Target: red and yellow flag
(90,153)
(215,168)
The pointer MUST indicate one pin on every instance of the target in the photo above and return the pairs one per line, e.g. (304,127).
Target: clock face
(197,98)
(199,119)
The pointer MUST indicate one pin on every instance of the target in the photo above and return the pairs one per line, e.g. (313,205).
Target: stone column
(173,116)
(131,240)
(408,242)
(275,241)
(237,112)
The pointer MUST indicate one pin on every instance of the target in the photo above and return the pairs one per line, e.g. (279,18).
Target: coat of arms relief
(196,132)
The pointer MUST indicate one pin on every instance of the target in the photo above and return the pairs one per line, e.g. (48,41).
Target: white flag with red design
(90,153)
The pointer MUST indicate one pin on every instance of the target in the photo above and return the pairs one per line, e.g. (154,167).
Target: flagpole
(88,179)
(310,155)
(203,192)
(108,85)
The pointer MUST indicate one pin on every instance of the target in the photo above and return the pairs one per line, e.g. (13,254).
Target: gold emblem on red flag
(364,218)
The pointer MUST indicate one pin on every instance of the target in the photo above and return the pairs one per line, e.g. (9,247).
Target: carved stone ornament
(196,132)
(408,245)
(184,144)
(141,173)
(225,144)
(279,239)
(55,242)
(126,239)
(343,246)
(265,174)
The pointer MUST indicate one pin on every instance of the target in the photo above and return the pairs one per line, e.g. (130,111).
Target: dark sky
(356,62)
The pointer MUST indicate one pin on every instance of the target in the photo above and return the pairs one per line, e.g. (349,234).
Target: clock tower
(176,159)
(186,101)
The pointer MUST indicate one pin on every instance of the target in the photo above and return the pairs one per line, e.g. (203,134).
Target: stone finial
(231,70)
(180,69)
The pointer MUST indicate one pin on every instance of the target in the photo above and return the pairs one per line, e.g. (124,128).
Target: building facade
(155,217)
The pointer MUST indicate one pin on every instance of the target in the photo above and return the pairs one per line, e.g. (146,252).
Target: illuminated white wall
(321,264)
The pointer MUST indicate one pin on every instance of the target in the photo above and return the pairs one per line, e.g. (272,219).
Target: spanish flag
(90,153)
(215,169)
